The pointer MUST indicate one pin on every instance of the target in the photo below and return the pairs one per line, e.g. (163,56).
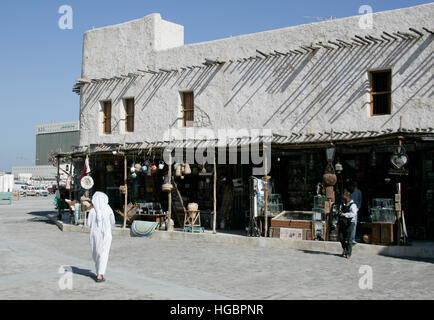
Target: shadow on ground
(83,272)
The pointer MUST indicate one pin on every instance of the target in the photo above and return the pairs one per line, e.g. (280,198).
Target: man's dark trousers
(345,237)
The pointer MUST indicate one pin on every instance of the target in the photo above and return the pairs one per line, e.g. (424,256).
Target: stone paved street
(32,250)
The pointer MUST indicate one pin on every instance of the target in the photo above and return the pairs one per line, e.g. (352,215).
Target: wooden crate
(382,233)
(296,224)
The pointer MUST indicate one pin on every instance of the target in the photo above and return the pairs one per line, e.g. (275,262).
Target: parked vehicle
(41,192)
(52,189)
(31,192)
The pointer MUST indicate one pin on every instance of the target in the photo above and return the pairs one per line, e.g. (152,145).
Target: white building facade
(364,89)
(303,80)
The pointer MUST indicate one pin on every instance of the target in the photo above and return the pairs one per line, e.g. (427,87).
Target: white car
(31,191)
(41,192)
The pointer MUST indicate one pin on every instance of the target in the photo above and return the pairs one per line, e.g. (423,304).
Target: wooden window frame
(185,111)
(388,93)
(129,117)
(107,119)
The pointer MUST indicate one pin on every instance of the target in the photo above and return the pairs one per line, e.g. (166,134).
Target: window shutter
(129,125)
(188,108)
(107,117)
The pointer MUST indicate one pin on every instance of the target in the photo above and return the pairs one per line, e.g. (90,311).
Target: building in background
(50,138)
(55,137)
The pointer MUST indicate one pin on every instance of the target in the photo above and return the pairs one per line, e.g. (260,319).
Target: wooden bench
(5,197)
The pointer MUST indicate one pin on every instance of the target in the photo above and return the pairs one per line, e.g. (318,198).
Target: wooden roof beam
(390,36)
(420,34)
(336,44)
(363,40)
(263,54)
(427,30)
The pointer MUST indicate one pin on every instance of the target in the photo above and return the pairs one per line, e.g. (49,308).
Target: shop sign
(291,233)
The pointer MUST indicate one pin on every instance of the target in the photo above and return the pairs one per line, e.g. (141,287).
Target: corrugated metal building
(55,137)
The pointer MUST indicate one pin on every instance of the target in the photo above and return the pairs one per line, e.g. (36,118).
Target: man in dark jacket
(347,217)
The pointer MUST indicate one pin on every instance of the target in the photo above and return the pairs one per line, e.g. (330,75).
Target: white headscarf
(101,206)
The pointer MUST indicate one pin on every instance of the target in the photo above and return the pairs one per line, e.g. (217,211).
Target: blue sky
(39,62)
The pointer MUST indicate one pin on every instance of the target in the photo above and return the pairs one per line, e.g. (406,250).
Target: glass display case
(382,210)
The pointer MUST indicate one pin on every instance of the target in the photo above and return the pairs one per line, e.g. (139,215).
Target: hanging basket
(87,182)
(122,189)
(187,169)
(329,179)
(167,187)
(179,171)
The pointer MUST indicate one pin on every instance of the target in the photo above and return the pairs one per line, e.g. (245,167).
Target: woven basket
(167,187)
(187,169)
(330,179)
(192,207)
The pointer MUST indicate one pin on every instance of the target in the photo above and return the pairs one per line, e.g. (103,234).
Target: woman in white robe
(100,221)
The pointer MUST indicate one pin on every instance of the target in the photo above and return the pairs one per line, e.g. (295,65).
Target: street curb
(303,245)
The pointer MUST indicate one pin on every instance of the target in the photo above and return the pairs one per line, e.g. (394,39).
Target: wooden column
(58,173)
(169,195)
(70,175)
(215,198)
(266,195)
(398,215)
(126,191)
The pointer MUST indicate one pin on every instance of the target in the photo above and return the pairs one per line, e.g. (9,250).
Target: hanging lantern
(373,159)
(330,153)
(311,162)
(357,163)
(339,167)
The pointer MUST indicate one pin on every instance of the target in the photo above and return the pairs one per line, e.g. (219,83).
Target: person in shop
(348,213)
(226,192)
(100,221)
(356,196)
(60,203)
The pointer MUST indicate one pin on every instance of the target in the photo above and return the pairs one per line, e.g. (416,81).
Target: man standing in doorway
(356,196)
(347,216)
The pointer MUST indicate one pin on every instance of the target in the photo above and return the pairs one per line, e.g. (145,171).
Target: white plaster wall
(304,94)
(129,46)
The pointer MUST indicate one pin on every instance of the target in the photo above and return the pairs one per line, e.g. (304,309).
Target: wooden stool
(192,220)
